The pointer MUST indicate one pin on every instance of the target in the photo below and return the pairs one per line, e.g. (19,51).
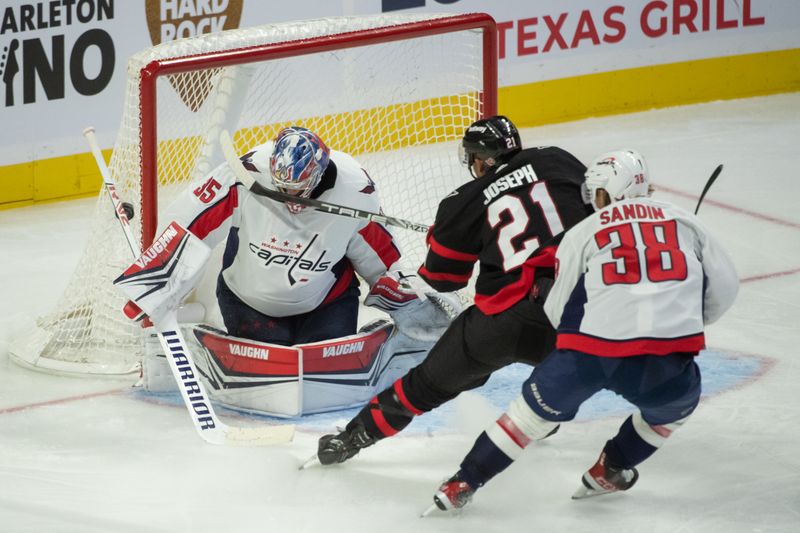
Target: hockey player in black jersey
(508,219)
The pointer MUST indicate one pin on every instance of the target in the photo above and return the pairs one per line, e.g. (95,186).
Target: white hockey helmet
(621,173)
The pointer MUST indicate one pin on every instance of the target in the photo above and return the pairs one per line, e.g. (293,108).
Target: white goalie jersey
(639,277)
(284,263)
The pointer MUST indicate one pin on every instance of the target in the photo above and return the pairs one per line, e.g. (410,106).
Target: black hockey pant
(474,346)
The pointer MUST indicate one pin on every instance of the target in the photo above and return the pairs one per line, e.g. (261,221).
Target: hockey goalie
(288,286)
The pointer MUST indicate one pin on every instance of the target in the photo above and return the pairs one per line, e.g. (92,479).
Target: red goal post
(396,91)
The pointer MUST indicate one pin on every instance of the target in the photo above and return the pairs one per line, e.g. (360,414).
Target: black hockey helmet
(491,139)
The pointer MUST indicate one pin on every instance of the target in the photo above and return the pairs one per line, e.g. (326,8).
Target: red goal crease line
(771,275)
(753,214)
(7,410)
(728,207)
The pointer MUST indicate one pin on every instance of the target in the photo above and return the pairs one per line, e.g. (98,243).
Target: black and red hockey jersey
(510,221)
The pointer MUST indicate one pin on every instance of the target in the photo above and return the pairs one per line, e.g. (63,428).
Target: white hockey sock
(655,436)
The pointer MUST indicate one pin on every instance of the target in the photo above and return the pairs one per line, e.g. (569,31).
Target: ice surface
(85,455)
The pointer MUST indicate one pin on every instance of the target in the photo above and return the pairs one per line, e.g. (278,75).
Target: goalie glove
(392,291)
(426,320)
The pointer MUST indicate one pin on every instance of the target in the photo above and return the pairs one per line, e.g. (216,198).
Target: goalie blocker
(161,277)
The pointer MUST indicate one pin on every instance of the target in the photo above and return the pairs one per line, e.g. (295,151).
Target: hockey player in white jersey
(288,278)
(637,281)
(289,273)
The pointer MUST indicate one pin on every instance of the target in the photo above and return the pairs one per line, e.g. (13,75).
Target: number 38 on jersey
(652,247)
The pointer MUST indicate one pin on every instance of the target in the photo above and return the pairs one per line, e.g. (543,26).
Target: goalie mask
(298,160)
(622,174)
(492,140)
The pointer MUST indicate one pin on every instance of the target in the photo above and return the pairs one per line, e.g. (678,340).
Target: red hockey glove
(392,291)
(133,312)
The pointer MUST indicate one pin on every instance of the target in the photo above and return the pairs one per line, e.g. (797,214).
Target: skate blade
(583,492)
(312,461)
(433,507)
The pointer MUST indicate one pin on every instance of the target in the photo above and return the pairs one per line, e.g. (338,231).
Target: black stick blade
(709,183)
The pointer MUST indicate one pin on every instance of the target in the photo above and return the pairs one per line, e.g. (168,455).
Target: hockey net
(395,91)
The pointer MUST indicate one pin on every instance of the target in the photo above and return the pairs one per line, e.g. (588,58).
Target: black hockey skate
(454,493)
(603,478)
(339,448)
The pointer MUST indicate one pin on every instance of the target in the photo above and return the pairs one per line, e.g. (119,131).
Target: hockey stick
(236,165)
(210,428)
(709,183)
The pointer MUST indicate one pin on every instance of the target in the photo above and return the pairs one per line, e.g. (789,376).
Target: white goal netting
(399,107)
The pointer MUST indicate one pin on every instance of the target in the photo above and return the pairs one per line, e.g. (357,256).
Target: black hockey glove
(541,288)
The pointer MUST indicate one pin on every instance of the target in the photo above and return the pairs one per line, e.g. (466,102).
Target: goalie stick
(236,166)
(709,183)
(210,428)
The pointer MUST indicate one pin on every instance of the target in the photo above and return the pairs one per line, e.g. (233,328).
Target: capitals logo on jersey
(292,256)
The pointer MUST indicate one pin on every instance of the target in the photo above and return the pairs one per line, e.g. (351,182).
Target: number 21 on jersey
(518,223)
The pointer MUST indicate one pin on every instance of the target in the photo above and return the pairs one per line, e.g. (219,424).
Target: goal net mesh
(398,107)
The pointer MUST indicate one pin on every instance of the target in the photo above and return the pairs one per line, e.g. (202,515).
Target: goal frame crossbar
(156,69)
